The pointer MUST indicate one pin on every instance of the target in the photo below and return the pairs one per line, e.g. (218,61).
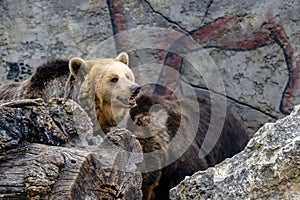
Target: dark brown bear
(157,121)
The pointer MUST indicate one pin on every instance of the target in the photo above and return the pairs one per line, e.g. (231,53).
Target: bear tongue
(131,101)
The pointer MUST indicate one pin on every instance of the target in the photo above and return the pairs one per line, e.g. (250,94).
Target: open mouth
(132,100)
(128,102)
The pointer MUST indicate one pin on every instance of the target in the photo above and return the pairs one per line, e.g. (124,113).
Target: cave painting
(234,32)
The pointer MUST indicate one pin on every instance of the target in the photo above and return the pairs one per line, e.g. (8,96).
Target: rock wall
(267,169)
(252,47)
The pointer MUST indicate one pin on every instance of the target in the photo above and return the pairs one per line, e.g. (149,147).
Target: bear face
(114,87)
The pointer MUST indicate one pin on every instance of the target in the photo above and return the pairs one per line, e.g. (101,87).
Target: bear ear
(78,67)
(123,57)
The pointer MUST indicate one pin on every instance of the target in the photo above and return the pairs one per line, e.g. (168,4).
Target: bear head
(109,84)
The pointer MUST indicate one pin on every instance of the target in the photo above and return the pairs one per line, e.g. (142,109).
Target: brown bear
(157,121)
(105,88)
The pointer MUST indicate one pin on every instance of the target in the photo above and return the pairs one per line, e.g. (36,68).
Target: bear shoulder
(45,82)
(49,71)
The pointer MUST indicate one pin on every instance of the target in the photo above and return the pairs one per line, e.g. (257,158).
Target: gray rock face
(33,32)
(269,168)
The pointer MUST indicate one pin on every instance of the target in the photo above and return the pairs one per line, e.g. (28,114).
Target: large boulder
(269,168)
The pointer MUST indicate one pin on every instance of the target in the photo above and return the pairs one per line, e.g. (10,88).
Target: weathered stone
(32,32)
(269,168)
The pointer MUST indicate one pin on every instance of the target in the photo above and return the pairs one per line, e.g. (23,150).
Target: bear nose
(135,89)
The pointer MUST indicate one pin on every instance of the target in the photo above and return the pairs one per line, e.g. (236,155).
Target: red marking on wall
(119,24)
(170,75)
(228,34)
(288,98)
(117,16)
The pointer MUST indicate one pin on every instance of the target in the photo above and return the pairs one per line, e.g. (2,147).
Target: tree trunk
(44,154)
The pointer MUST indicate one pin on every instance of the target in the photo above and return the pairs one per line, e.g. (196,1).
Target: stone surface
(254,45)
(32,32)
(268,168)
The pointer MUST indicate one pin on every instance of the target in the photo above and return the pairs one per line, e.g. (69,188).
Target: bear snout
(135,89)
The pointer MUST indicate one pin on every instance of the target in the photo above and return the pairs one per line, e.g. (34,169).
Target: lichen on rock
(268,168)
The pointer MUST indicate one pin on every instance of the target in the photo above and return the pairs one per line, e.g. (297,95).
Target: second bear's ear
(123,57)
(78,67)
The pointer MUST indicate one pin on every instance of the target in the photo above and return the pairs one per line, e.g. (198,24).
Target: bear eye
(114,80)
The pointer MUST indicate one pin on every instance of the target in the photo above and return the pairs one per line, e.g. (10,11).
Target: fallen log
(46,153)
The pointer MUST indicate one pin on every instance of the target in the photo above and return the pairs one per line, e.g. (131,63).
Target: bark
(47,151)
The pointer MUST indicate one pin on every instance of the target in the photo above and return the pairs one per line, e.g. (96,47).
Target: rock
(269,168)
(34,32)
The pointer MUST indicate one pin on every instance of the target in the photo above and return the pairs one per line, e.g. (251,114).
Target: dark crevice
(166,18)
(206,11)
(288,60)
(112,18)
(236,101)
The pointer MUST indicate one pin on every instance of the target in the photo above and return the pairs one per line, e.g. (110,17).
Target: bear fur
(105,88)
(157,120)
